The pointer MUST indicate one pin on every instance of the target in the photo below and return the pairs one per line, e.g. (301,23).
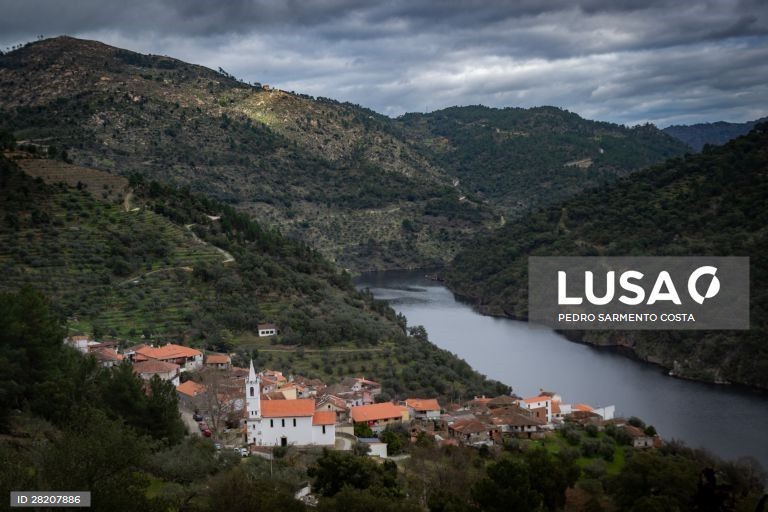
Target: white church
(285,422)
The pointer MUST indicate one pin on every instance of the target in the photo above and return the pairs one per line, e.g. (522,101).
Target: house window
(272,423)
(251,390)
(283,420)
(323,429)
(294,422)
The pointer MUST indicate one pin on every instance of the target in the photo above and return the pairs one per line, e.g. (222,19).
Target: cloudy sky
(662,61)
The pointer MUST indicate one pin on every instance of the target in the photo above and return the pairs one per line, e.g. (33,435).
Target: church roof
(288,408)
(324,418)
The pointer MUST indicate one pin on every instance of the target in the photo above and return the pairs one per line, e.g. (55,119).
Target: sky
(625,61)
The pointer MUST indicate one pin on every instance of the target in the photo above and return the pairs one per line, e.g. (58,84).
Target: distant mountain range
(720,132)
(368,191)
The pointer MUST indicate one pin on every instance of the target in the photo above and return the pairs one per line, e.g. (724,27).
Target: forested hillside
(150,267)
(707,204)
(697,135)
(519,158)
(367,191)
(330,174)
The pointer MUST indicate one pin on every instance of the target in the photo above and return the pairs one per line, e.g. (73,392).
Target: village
(254,411)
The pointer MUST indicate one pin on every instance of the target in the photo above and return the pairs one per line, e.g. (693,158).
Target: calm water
(726,421)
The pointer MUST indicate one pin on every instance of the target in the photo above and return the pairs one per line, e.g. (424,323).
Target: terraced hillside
(333,175)
(112,270)
(366,190)
(177,266)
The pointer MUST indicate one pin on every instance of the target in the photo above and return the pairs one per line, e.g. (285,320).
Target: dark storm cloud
(625,61)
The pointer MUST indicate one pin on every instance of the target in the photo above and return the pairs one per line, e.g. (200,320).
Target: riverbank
(622,342)
(723,419)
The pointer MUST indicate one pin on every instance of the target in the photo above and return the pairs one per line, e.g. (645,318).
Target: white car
(244,452)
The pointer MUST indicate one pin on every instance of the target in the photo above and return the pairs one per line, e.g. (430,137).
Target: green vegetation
(522,158)
(699,135)
(707,204)
(158,274)
(367,191)
(70,424)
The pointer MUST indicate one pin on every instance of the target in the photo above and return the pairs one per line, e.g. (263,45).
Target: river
(727,421)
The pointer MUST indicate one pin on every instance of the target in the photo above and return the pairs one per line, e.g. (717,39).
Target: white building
(267,330)
(540,406)
(285,422)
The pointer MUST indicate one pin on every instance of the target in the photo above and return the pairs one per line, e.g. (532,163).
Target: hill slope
(522,158)
(697,135)
(176,266)
(707,204)
(366,190)
(331,174)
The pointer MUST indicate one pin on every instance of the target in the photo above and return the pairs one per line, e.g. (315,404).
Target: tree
(30,347)
(356,500)
(98,454)
(653,474)
(507,487)
(237,491)
(335,470)
(162,412)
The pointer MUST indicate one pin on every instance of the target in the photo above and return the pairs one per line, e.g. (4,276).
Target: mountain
(367,191)
(518,159)
(697,135)
(711,203)
(137,261)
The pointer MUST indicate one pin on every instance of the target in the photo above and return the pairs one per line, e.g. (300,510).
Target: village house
(186,358)
(358,384)
(106,356)
(81,342)
(166,371)
(472,431)
(540,406)
(335,404)
(423,408)
(285,422)
(518,422)
(641,440)
(266,330)
(379,416)
(189,393)
(218,361)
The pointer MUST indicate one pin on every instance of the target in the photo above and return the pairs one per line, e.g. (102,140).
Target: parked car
(197,417)
(217,446)
(244,452)
(206,433)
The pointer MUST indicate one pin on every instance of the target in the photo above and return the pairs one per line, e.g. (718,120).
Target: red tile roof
(287,408)
(423,404)
(169,351)
(582,407)
(190,388)
(534,399)
(218,359)
(153,366)
(324,418)
(375,412)
(106,354)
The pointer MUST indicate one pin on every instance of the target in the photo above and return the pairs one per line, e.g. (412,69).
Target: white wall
(327,439)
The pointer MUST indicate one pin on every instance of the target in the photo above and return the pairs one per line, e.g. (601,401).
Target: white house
(267,330)
(80,342)
(540,406)
(285,422)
